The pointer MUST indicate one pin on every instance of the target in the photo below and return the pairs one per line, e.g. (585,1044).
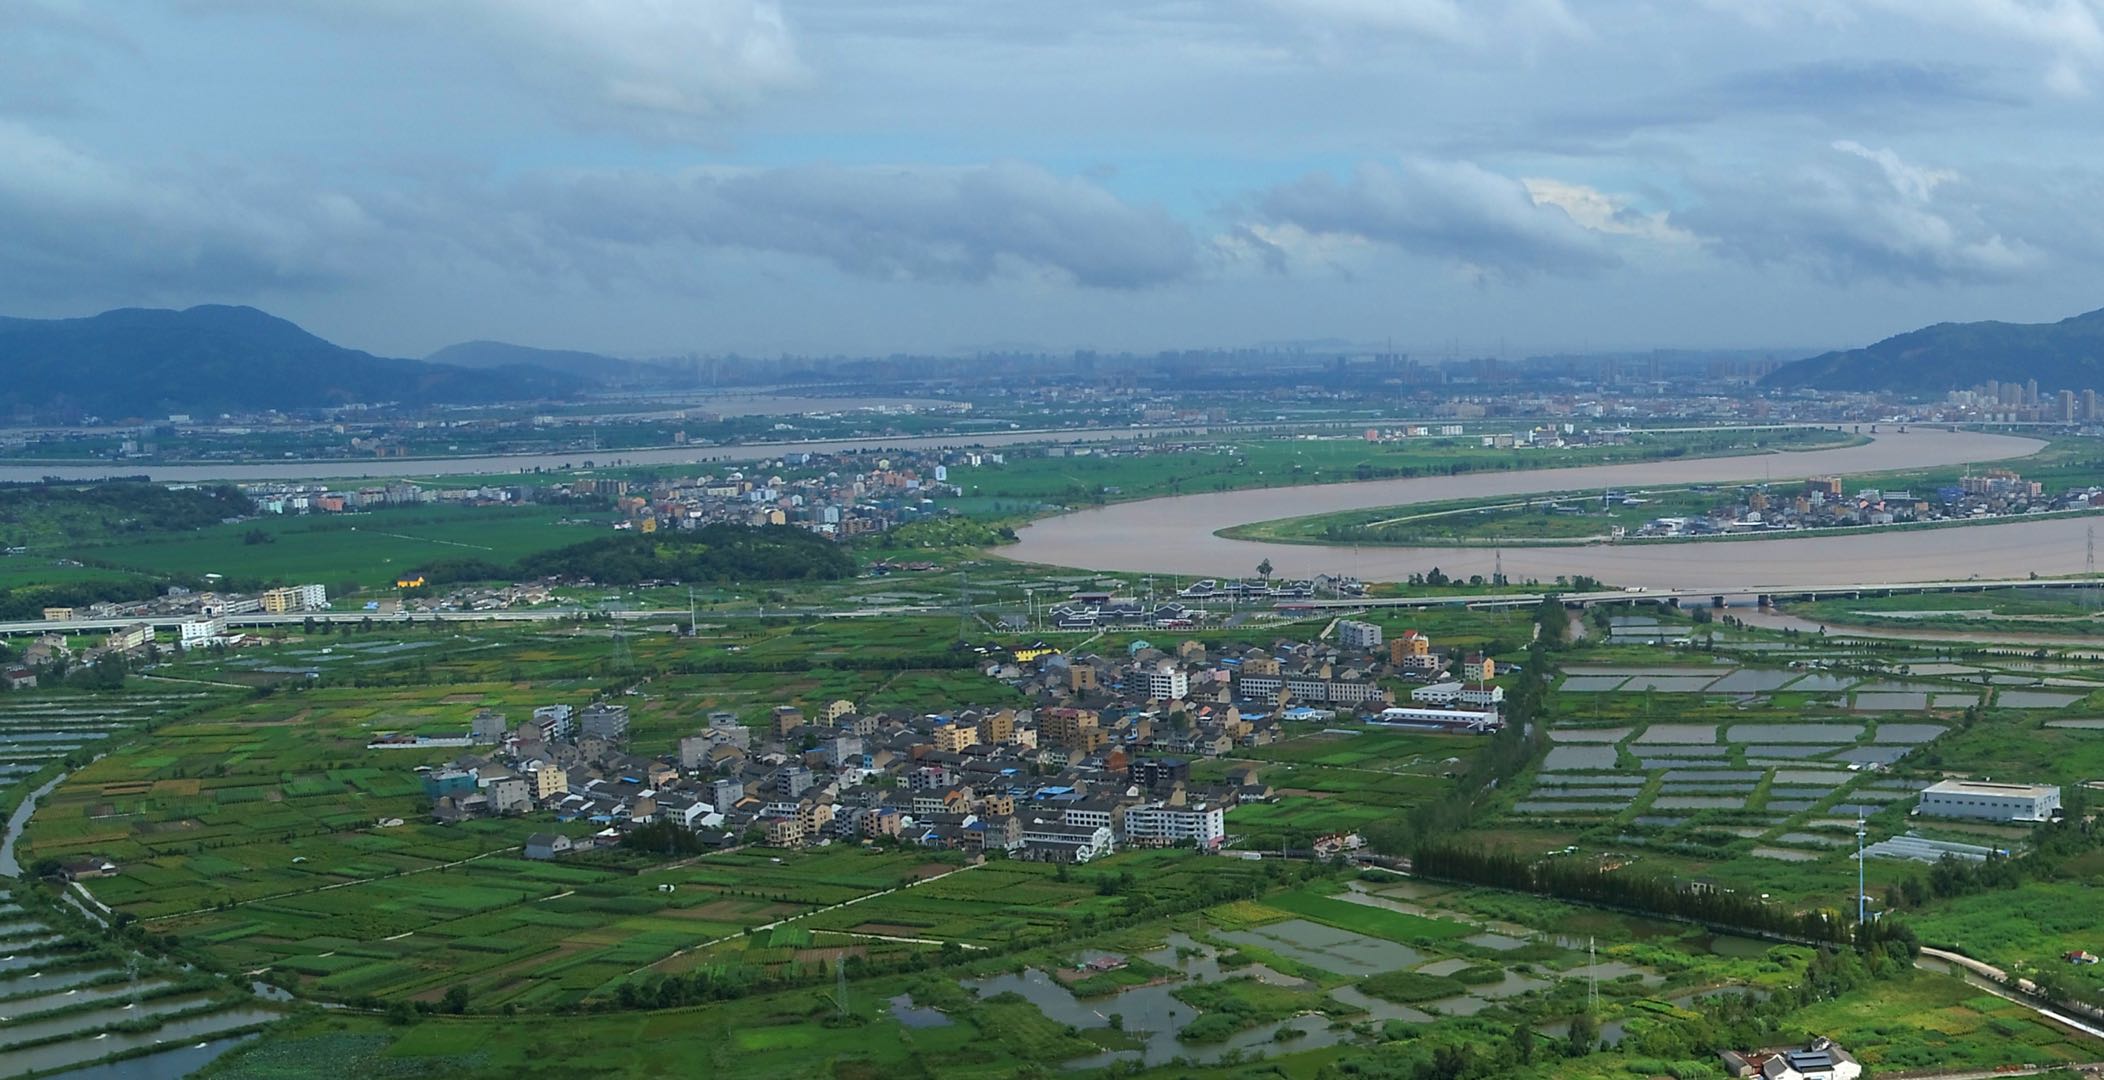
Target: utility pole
(1862,902)
(2090,566)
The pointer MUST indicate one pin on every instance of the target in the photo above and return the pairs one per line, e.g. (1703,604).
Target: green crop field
(256,833)
(368,549)
(1027,481)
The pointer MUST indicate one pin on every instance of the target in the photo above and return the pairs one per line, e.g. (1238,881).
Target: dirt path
(805,915)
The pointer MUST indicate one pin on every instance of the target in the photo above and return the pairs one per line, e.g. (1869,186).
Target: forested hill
(720,554)
(45,516)
(2066,355)
(144,362)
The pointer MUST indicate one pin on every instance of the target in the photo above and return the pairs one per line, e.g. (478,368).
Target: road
(1997,982)
(1178,535)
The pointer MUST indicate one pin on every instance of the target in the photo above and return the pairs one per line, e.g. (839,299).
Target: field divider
(803,915)
(332,885)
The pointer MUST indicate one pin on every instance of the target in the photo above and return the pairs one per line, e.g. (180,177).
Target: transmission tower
(840,982)
(1592,976)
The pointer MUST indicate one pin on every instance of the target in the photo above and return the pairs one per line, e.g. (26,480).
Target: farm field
(1333,782)
(2057,611)
(1026,483)
(257,834)
(1284,979)
(367,549)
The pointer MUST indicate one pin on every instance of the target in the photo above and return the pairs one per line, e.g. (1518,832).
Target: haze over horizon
(655,176)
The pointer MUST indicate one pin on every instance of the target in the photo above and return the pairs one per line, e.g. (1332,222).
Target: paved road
(1177,535)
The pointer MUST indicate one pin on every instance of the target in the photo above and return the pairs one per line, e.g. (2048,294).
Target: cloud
(922,223)
(1455,211)
(1604,213)
(1474,23)
(1882,216)
(47,47)
(659,67)
(74,225)
(71,222)
(1834,91)
(2069,32)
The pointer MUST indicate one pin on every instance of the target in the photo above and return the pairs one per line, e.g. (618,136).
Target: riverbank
(1179,535)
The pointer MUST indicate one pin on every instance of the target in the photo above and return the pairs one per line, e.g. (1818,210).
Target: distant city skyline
(653,177)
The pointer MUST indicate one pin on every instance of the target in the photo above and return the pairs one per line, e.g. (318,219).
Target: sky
(659,177)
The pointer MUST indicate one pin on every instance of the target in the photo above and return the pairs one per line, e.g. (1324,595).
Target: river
(1176,535)
(19,820)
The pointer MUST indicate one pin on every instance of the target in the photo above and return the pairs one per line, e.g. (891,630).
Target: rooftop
(1982,787)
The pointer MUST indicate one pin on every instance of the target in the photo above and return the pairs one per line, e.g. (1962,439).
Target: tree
(456,1000)
(1522,1043)
(1584,1035)
(1264,570)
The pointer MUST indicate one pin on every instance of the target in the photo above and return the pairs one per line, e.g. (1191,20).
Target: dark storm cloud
(73,224)
(1453,211)
(913,223)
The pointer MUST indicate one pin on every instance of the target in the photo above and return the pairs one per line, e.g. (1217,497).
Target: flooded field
(1328,948)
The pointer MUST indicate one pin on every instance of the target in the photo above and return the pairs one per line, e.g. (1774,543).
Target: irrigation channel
(1178,534)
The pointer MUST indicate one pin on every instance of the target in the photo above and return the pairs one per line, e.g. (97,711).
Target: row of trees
(1651,894)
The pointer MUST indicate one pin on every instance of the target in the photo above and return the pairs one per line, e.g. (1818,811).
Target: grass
(1412,987)
(1382,923)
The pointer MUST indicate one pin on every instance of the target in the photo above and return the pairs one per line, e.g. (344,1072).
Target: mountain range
(148,362)
(2068,354)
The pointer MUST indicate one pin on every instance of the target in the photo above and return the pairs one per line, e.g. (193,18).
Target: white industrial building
(1460,720)
(1989,802)
(1353,634)
(1454,693)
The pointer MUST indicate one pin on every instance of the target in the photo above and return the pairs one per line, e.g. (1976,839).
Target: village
(1822,503)
(1099,761)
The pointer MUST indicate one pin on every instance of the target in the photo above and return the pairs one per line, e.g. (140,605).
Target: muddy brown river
(1175,535)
